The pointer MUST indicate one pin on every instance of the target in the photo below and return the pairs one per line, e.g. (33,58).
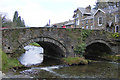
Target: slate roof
(88,17)
(70,23)
(83,11)
(93,11)
(110,10)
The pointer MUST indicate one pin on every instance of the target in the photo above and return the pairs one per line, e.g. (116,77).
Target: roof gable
(83,11)
(98,11)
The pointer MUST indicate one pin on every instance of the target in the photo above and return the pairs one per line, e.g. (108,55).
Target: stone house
(83,17)
(68,24)
(107,18)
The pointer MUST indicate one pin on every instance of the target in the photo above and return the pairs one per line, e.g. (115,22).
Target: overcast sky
(36,13)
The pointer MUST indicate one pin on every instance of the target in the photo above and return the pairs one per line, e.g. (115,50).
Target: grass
(35,44)
(111,57)
(75,60)
(8,62)
(0,60)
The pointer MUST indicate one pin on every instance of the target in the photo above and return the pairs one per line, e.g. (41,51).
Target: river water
(100,69)
(32,56)
(95,70)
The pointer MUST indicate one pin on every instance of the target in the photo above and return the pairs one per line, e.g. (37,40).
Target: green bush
(85,34)
(8,62)
(75,60)
(111,57)
(80,49)
(34,44)
(116,35)
(0,60)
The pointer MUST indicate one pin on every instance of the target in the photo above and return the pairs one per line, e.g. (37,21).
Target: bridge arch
(56,48)
(100,41)
(98,48)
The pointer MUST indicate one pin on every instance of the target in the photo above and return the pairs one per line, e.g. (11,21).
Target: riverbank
(114,58)
(75,61)
(8,62)
(99,69)
(2,75)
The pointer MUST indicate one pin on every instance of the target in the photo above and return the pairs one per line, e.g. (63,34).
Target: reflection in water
(98,69)
(32,56)
(95,70)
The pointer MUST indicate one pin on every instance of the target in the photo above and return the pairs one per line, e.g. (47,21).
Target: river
(99,69)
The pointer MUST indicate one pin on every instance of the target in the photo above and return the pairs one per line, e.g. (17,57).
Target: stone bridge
(57,41)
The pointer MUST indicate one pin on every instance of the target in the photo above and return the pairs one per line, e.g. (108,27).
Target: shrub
(75,60)
(34,44)
(80,49)
(116,35)
(8,62)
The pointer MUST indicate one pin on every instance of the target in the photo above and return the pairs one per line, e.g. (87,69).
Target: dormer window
(100,21)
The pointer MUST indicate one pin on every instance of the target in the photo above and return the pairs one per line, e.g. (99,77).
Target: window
(116,18)
(91,27)
(113,29)
(86,27)
(86,21)
(116,29)
(77,22)
(100,21)
(91,21)
(83,23)
(118,4)
(82,27)
(77,16)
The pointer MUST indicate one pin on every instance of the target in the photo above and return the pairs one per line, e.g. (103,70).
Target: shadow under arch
(52,48)
(97,48)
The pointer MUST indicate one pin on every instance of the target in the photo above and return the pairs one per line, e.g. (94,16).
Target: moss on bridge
(71,38)
(35,44)
(79,35)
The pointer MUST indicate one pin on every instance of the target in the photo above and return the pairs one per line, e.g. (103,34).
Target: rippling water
(32,56)
(96,70)
(100,69)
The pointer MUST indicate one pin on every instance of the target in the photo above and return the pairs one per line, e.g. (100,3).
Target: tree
(0,21)
(6,22)
(17,20)
(15,17)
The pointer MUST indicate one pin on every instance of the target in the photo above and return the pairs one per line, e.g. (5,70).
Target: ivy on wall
(81,46)
(116,35)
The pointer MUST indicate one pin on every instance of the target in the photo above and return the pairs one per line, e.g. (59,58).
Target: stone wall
(0,46)
(104,37)
(65,40)
(15,38)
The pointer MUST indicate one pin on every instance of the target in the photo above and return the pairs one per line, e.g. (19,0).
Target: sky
(37,13)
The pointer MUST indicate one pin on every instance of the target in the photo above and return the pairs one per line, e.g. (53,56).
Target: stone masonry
(58,38)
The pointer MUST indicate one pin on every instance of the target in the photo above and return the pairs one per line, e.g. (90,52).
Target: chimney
(88,9)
